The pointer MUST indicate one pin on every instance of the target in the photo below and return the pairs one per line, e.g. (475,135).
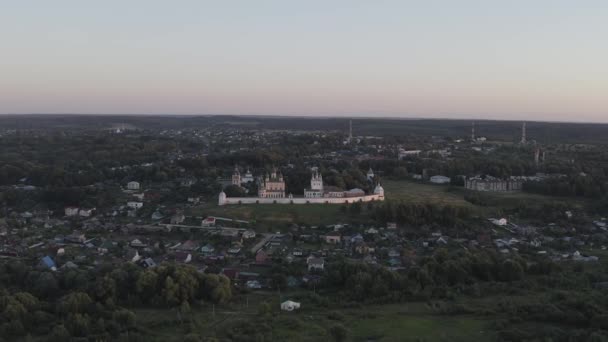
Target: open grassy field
(421,192)
(421,328)
(381,323)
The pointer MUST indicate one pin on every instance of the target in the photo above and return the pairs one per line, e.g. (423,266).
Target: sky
(516,59)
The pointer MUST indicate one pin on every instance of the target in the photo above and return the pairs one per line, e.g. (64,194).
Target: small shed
(289,305)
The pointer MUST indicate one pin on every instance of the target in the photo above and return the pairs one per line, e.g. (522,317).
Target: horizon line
(303,116)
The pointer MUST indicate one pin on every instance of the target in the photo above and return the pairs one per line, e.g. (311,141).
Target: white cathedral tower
(316,182)
(316,186)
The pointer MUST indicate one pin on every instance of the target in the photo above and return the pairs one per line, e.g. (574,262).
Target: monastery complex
(272,191)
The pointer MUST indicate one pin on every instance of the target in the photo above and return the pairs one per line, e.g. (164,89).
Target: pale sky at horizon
(532,60)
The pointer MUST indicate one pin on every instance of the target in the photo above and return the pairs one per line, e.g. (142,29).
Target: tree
(170,292)
(125,318)
(78,324)
(192,338)
(264,309)
(105,288)
(147,285)
(184,310)
(234,191)
(76,302)
(511,271)
(59,334)
(338,332)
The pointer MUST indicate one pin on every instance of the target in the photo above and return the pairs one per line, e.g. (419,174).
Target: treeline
(421,213)
(78,159)
(433,277)
(95,303)
(582,186)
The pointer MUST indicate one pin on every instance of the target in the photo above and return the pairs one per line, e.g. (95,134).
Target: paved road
(261,244)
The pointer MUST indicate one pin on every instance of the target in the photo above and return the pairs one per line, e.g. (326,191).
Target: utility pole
(473,131)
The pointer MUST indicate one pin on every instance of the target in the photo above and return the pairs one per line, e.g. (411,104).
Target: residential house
(188,246)
(139,196)
(234,250)
(438,179)
(363,248)
(231,273)
(261,257)
(248,234)
(356,239)
(315,263)
(289,305)
(136,243)
(147,263)
(208,222)
(188,181)
(178,218)
(371,230)
(333,238)
(71,211)
(75,237)
(312,279)
(499,222)
(106,246)
(86,212)
(157,215)
(49,263)
(183,256)
(135,204)
(133,185)
(253,284)
(393,253)
(207,249)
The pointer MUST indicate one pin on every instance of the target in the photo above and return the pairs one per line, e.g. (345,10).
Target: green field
(422,192)
(420,328)
(381,323)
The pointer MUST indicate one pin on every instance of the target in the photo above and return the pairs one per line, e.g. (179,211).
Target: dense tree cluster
(432,277)
(96,302)
(421,213)
(583,186)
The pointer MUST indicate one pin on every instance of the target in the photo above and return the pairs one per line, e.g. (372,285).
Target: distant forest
(543,132)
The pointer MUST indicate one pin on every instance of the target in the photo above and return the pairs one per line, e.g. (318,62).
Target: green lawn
(421,192)
(391,328)
(382,323)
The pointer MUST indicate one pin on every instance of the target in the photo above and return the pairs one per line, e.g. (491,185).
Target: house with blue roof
(49,263)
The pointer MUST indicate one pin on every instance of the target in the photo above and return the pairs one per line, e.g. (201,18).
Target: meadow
(415,321)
